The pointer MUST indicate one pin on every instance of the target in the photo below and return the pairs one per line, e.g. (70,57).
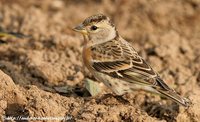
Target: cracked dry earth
(42,76)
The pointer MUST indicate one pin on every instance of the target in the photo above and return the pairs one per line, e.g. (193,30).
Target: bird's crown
(96,18)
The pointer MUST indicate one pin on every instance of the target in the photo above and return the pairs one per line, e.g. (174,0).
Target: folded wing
(120,60)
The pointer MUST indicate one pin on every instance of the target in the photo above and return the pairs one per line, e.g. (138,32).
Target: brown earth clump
(42,75)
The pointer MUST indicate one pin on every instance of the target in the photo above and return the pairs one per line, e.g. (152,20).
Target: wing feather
(120,60)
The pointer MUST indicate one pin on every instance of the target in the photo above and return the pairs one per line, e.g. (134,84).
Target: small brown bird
(112,60)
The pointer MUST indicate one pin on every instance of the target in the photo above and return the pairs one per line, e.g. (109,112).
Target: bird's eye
(93,27)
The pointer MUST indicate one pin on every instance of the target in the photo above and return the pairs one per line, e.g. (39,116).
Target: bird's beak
(81,29)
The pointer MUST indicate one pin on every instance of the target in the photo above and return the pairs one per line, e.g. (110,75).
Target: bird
(113,61)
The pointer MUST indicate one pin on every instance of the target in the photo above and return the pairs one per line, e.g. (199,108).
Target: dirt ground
(42,75)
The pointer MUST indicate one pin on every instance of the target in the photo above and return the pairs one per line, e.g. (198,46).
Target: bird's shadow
(161,111)
(119,98)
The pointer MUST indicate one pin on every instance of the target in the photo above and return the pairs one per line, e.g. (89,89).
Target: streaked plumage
(115,62)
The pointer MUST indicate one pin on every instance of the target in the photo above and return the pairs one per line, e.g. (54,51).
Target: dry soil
(42,75)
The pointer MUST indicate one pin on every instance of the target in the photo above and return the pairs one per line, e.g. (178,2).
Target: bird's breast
(87,57)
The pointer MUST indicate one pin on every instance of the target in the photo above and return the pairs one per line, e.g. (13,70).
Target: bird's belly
(118,86)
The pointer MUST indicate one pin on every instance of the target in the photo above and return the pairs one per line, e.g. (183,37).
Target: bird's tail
(171,94)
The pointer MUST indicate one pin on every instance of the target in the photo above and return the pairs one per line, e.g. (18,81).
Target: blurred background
(44,56)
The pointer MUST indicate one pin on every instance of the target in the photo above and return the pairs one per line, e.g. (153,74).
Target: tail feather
(166,91)
(171,94)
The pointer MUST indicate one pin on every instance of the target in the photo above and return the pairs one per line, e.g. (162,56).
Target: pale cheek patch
(107,32)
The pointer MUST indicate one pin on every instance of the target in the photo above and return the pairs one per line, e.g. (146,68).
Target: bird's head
(98,28)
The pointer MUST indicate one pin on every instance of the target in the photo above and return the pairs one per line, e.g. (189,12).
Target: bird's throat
(86,39)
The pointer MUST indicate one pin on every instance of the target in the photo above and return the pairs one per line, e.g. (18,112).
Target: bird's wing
(118,59)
